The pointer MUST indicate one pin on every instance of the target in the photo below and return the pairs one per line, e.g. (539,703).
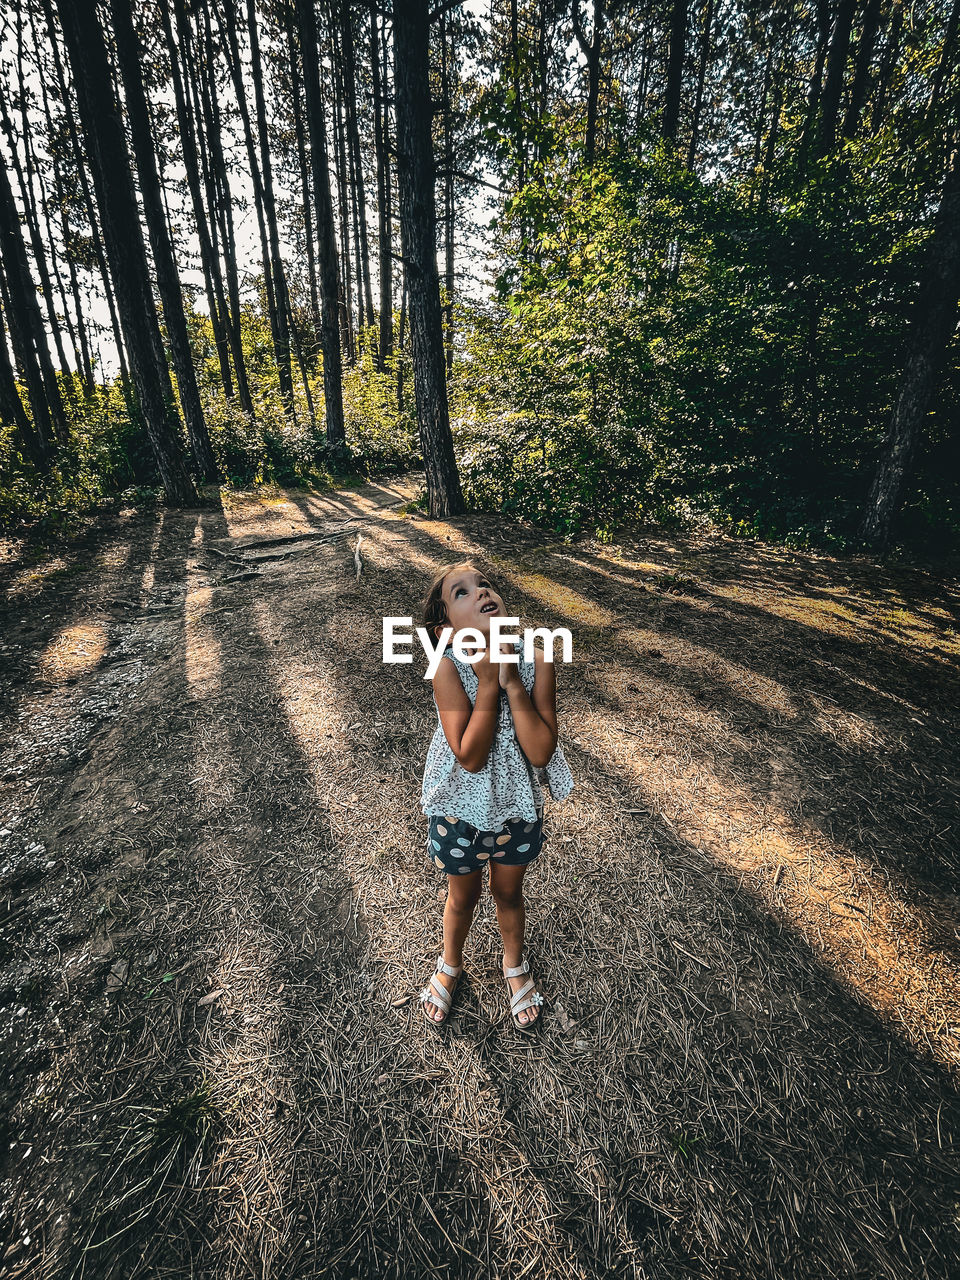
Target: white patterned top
(507,788)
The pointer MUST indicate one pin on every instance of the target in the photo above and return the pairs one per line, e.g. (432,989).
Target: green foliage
(106,452)
(382,438)
(686,349)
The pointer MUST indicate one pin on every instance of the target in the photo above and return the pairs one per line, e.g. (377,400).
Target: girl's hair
(433,611)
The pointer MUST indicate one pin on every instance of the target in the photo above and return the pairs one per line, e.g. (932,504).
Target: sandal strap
(449,970)
(442,996)
(519,970)
(535,999)
(518,995)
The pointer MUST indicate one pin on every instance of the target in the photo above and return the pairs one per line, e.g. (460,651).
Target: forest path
(217,914)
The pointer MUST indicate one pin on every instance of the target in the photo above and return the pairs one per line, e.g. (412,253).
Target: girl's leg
(463,894)
(506,885)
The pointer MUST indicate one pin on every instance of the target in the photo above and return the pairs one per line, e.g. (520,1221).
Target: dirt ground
(217,913)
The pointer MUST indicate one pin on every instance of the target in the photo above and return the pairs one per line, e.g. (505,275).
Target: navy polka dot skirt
(458,848)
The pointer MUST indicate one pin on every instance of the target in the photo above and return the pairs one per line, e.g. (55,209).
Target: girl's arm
(535,720)
(469,730)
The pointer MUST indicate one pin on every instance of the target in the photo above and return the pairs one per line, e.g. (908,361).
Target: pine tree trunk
(88,202)
(129,56)
(25,181)
(591,51)
(816,83)
(26,324)
(934,324)
(11,409)
(678,39)
(381,133)
(323,216)
(86,363)
(220,201)
(113,182)
(833,86)
(357,184)
(275,302)
(701,81)
(861,73)
(270,211)
(415,173)
(343,204)
(212,280)
(295,85)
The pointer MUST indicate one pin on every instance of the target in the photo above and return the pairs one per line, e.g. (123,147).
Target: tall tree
(935,321)
(129,56)
(675,60)
(866,44)
(26,325)
(836,65)
(113,182)
(592,51)
(381,137)
(357,184)
(705,48)
(415,177)
(323,216)
(12,410)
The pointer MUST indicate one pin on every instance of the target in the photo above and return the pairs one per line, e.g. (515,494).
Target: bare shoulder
(446,680)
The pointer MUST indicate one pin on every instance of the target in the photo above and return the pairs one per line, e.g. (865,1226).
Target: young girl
(482,794)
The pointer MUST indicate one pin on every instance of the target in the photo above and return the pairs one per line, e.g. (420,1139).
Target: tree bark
(119,217)
(415,174)
(212,279)
(861,74)
(323,216)
(129,56)
(591,51)
(220,201)
(26,324)
(25,183)
(671,102)
(935,321)
(701,81)
(88,201)
(381,135)
(343,201)
(816,83)
(833,85)
(85,363)
(270,210)
(298,126)
(357,183)
(12,410)
(449,196)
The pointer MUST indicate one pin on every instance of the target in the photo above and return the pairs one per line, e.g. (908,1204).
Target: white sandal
(517,1002)
(438,994)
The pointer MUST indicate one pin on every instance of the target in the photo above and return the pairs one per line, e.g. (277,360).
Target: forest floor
(217,912)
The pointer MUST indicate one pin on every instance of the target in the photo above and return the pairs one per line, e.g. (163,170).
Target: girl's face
(470,600)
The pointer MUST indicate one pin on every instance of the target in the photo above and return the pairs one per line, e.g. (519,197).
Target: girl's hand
(487,671)
(510,675)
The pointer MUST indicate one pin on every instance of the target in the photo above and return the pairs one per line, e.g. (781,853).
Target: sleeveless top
(508,788)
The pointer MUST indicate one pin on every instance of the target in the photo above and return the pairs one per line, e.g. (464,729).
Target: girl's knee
(509,898)
(464,898)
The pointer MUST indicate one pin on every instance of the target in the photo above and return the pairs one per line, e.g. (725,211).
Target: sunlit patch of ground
(72,652)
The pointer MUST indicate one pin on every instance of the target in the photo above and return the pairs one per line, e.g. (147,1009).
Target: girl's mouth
(490,608)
